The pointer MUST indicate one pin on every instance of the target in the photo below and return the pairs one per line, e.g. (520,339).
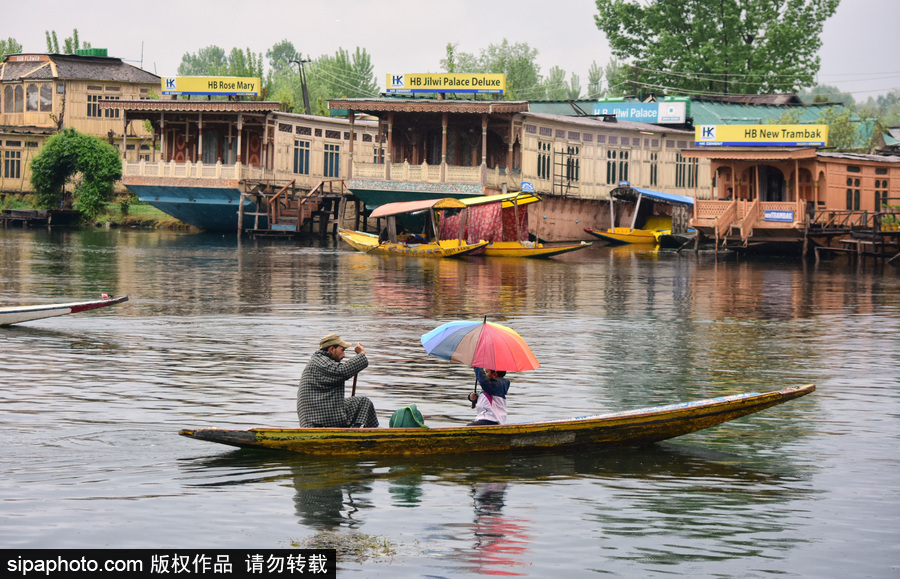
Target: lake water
(216,333)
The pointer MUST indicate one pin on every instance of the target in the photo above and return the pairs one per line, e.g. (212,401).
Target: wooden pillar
(200,137)
(484,124)
(240,128)
(162,136)
(445,121)
(352,139)
(124,135)
(390,146)
(509,152)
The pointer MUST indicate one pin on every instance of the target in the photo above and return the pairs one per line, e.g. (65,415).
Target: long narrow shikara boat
(630,428)
(393,242)
(512,211)
(18,314)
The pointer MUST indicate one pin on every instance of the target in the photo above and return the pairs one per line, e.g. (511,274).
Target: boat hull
(622,235)
(19,314)
(207,208)
(535,250)
(629,428)
(368,243)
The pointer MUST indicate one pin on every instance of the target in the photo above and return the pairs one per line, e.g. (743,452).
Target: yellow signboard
(464,83)
(761,135)
(211,85)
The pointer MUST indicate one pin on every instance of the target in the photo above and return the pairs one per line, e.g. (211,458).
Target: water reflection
(711,500)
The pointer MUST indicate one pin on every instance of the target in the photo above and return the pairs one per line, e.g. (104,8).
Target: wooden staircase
(290,213)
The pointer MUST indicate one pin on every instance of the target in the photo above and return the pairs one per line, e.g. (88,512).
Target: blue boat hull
(208,208)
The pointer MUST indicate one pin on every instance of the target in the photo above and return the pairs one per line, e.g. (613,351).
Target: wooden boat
(510,243)
(630,428)
(645,227)
(18,314)
(395,241)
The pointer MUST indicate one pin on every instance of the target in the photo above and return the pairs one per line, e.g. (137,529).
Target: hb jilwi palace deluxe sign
(211,85)
(761,135)
(468,83)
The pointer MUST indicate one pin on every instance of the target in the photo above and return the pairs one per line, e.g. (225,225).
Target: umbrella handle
(475,390)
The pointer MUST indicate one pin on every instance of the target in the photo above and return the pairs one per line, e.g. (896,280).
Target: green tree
(824,93)
(517,61)
(616,78)
(842,131)
(70,156)
(9,46)
(342,75)
(283,78)
(595,81)
(70,44)
(555,85)
(209,61)
(717,46)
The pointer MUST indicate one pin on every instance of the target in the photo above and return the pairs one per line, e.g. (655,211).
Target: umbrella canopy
(480,344)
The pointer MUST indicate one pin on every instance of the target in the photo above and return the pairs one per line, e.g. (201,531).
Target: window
(32,98)
(544,157)
(654,168)
(616,166)
(573,164)
(852,194)
(111,113)
(685,171)
(881,194)
(93,108)
(12,164)
(13,99)
(611,156)
(301,157)
(332,160)
(46,97)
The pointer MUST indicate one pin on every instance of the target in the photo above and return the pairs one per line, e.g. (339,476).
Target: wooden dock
(29,218)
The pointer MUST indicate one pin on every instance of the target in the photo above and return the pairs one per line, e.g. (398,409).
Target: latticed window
(93,105)
(654,168)
(301,157)
(332,160)
(544,159)
(12,164)
(685,171)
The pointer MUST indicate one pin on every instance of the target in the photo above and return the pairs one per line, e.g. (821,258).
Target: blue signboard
(654,113)
(778,215)
(527,187)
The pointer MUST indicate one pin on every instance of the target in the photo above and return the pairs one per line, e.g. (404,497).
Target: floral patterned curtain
(489,222)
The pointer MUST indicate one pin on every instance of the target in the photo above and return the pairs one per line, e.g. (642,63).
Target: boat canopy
(631,194)
(508,199)
(413,206)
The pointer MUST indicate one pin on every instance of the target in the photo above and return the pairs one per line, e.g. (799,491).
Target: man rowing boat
(320,397)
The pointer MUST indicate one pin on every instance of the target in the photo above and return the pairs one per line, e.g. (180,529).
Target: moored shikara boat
(504,220)
(393,242)
(630,428)
(19,314)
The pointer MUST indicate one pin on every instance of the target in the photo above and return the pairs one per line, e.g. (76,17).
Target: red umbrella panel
(480,344)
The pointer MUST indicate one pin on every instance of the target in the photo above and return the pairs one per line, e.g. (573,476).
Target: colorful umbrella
(480,344)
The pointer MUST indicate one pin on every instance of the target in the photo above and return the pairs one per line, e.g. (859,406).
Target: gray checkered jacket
(320,397)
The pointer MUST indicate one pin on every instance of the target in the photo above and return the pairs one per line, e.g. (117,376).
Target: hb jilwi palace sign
(761,135)
(464,83)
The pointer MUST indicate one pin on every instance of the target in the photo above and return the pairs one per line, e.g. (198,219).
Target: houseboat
(795,198)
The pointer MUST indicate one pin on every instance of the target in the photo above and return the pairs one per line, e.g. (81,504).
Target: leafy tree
(283,80)
(555,85)
(595,81)
(516,61)
(342,75)
(616,78)
(63,158)
(717,46)
(70,44)
(823,93)
(209,61)
(9,46)
(842,131)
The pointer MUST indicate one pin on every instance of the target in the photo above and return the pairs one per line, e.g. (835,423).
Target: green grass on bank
(124,211)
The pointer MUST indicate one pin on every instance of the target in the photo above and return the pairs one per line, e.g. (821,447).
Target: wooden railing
(749,221)
(724,221)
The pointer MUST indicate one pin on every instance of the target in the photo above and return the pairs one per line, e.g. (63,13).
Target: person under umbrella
(491,401)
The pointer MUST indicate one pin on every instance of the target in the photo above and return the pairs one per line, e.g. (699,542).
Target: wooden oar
(353,391)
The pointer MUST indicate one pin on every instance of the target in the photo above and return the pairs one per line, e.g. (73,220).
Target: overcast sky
(405,36)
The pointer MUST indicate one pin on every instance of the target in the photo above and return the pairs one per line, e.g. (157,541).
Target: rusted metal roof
(412,206)
(380,105)
(18,67)
(190,106)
